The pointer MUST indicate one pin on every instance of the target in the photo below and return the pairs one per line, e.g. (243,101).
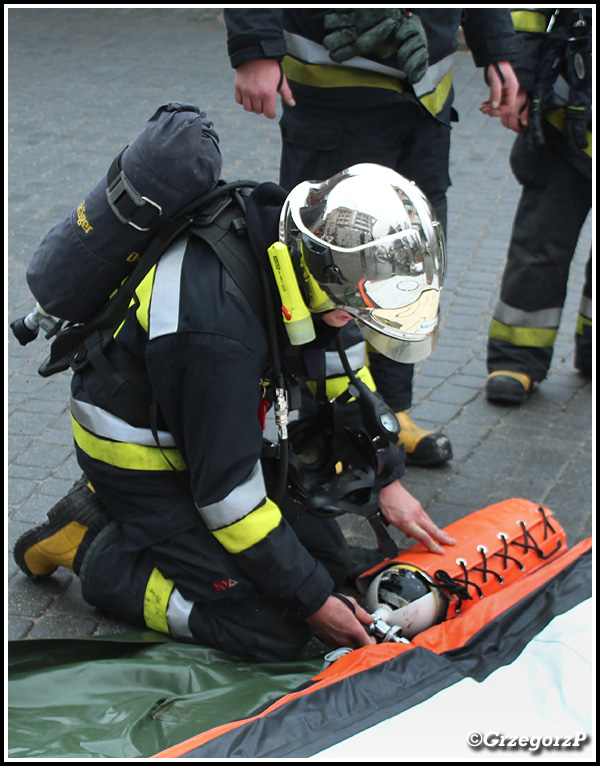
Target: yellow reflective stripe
(144,292)
(335,387)
(135,457)
(251,529)
(581,323)
(529,21)
(324,76)
(435,101)
(533,337)
(557,118)
(156,600)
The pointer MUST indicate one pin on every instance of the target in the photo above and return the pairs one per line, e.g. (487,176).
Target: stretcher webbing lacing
(494,547)
(485,571)
(454,586)
(530,543)
(504,555)
(458,587)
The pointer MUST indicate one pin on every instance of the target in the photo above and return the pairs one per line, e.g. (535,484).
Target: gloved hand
(380,31)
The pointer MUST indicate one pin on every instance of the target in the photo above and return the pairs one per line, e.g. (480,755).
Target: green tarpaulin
(131,696)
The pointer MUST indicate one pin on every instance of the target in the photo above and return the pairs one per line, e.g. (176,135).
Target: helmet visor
(405,332)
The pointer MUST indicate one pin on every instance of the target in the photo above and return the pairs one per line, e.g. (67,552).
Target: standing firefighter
(552,160)
(183,522)
(369,85)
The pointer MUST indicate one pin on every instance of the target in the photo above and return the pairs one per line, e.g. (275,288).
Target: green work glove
(379,31)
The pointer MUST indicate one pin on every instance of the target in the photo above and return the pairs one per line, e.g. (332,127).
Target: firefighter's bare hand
(517,119)
(338,625)
(504,87)
(406,513)
(256,86)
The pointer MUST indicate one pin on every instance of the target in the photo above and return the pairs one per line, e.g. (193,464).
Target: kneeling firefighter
(182,522)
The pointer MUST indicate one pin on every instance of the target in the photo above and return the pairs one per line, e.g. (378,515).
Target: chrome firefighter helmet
(367,240)
(405,596)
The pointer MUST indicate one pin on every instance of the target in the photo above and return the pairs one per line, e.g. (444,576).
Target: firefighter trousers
(318,142)
(187,585)
(555,201)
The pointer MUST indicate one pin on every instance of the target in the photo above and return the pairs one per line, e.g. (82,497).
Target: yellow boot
(55,543)
(424,448)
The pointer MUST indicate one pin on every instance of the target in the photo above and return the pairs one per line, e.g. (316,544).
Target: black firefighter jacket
(203,352)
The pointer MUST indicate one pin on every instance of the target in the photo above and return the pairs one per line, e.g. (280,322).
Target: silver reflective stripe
(357,356)
(178,613)
(311,52)
(545,318)
(433,76)
(164,305)
(238,503)
(102,423)
(586,307)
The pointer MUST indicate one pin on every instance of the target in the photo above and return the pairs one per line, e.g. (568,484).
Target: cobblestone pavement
(81,84)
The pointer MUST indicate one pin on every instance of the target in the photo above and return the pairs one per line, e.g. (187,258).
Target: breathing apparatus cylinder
(296,316)
(84,258)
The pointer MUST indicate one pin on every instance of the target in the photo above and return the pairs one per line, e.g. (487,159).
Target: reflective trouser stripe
(525,328)
(582,321)
(586,307)
(547,318)
(165,609)
(250,530)
(178,613)
(156,600)
(135,457)
(535,337)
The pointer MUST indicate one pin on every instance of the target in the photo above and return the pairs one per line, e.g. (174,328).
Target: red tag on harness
(263,408)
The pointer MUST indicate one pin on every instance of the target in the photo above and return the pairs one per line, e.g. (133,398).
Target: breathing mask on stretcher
(367,241)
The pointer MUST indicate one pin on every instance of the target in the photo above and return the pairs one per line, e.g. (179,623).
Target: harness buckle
(125,202)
